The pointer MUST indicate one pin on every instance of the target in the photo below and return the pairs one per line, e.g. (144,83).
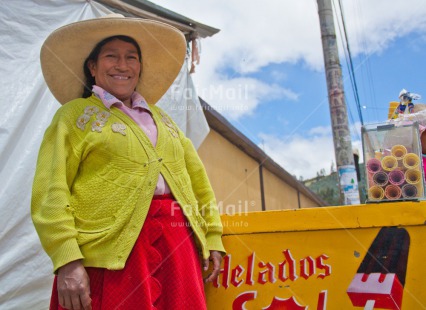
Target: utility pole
(339,117)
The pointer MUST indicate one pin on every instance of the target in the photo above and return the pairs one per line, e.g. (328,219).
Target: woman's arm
(57,165)
(52,214)
(207,207)
(204,194)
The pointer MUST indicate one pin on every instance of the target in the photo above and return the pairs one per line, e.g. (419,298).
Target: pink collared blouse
(141,114)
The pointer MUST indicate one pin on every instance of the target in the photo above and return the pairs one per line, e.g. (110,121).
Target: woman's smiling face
(117,69)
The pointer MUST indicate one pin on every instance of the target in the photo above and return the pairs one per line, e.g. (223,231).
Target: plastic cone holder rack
(393,162)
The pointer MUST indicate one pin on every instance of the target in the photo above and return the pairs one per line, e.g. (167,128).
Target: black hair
(93,56)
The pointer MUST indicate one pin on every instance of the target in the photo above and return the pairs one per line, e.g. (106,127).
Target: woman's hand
(216,259)
(74,287)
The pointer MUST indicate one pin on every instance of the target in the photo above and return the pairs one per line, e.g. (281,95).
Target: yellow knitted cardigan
(95,178)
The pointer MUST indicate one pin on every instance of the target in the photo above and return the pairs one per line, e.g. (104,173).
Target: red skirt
(163,270)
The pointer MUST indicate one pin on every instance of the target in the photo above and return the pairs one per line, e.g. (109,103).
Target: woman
(121,200)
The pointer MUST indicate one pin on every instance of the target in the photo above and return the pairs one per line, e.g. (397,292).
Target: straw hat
(65,50)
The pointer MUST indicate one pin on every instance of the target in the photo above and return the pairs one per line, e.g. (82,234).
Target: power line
(366,69)
(350,64)
(351,117)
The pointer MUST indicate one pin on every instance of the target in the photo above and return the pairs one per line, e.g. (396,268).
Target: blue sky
(270,55)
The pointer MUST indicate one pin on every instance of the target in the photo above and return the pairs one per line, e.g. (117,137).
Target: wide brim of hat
(65,50)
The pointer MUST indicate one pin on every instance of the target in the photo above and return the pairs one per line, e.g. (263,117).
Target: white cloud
(373,25)
(252,36)
(321,130)
(279,76)
(304,155)
(300,155)
(240,96)
(255,35)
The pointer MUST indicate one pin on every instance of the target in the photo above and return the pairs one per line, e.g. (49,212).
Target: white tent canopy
(27,109)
